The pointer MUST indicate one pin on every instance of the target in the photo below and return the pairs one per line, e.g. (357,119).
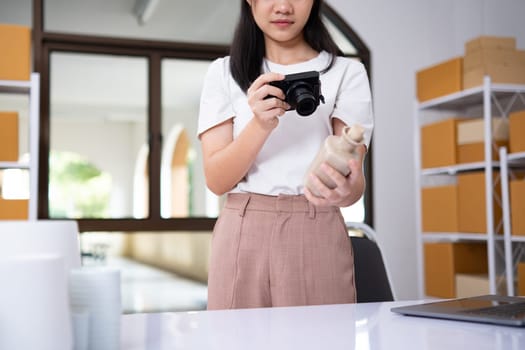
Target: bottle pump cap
(354,133)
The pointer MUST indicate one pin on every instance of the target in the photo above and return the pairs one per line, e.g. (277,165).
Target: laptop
(494,309)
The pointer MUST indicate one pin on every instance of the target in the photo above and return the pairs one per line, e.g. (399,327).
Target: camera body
(302,91)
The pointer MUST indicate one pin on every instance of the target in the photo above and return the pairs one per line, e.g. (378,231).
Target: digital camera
(302,91)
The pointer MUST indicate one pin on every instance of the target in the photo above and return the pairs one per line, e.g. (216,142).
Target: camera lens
(306,104)
(302,97)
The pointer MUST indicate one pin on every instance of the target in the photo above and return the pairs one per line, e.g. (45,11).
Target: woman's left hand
(348,190)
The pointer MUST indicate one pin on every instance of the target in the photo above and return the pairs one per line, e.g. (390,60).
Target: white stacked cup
(95,291)
(34,310)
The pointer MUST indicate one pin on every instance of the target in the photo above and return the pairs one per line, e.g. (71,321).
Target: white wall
(403,37)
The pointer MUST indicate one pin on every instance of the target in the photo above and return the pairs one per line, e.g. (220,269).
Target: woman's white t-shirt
(280,166)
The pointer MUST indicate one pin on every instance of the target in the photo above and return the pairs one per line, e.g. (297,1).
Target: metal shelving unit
(31,88)
(514,245)
(495,100)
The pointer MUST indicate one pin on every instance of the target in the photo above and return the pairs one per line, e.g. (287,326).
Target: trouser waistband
(280,203)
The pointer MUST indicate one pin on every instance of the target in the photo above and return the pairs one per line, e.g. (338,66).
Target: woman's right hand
(266,111)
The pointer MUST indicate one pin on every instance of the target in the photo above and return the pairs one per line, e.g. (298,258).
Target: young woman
(275,243)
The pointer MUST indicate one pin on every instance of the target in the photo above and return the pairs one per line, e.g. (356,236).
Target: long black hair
(247,50)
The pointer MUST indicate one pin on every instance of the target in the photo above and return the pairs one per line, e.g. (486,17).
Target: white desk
(349,326)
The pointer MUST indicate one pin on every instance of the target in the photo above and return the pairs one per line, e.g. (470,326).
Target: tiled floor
(148,289)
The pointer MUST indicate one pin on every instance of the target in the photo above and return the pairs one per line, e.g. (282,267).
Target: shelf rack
(494,99)
(31,88)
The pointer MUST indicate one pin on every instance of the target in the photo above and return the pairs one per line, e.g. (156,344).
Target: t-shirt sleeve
(353,103)
(215,102)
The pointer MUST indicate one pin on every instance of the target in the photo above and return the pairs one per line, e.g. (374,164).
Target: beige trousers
(279,251)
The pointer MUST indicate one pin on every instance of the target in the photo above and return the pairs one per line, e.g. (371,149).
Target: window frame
(44,43)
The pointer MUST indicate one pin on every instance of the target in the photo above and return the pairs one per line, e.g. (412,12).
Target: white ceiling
(177,20)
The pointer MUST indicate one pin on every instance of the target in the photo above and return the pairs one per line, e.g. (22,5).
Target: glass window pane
(169,20)
(183,187)
(97,132)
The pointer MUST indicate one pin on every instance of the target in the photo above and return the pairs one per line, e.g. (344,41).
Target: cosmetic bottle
(336,151)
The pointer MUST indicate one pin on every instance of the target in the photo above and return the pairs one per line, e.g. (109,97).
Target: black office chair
(371,277)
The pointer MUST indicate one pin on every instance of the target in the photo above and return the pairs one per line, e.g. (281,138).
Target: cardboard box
(471,135)
(473,130)
(518,57)
(492,57)
(499,74)
(439,80)
(517,207)
(439,208)
(475,152)
(517,132)
(521,279)
(438,144)
(470,285)
(14,209)
(472,203)
(490,42)
(8,136)
(15,48)
(444,260)
(496,57)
